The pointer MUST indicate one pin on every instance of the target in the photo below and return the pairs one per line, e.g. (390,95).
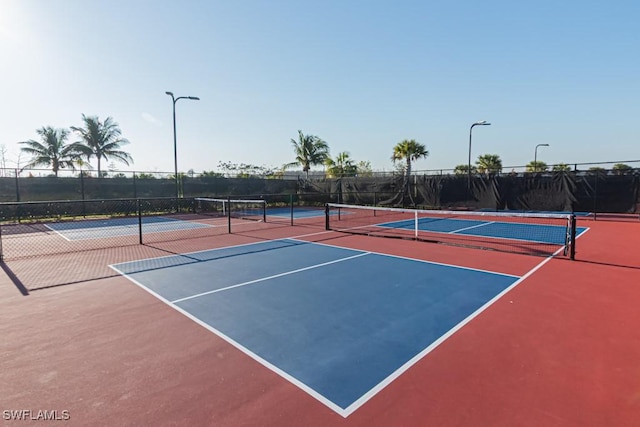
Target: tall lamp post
(535,156)
(175,142)
(480,123)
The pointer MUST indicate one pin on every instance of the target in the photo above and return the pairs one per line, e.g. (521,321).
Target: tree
(3,159)
(101,140)
(342,165)
(561,167)
(211,174)
(597,170)
(464,170)
(310,150)
(489,163)
(400,169)
(145,176)
(537,166)
(52,150)
(409,150)
(621,168)
(364,168)
(244,170)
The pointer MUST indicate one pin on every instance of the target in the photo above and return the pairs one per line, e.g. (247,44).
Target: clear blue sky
(362,75)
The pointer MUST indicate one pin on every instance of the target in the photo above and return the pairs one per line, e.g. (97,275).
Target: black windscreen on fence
(592,191)
(558,191)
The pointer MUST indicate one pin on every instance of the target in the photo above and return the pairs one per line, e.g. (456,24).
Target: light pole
(535,156)
(480,123)
(175,142)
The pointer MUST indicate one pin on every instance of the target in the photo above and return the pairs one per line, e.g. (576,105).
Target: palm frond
(101,140)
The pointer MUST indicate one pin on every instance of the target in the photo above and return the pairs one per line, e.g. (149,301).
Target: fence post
(291,207)
(135,189)
(82,184)
(139,219)
(1,251)
(84,207)
(17,186)
(595,197)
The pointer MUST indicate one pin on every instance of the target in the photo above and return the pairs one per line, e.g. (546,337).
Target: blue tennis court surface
(339,323)
(552,234)
(114,227)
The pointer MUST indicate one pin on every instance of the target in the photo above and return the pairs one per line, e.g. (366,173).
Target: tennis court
(278,324)
(551,234)
(320,315)
(114,227)
(532,233)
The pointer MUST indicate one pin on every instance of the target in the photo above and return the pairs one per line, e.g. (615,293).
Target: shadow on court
(16,281)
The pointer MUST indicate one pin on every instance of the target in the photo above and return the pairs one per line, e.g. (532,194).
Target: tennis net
(527,233)
(233,208)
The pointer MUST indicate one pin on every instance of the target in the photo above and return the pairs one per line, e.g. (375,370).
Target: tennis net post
(326,217)
(228,208)
(572,248)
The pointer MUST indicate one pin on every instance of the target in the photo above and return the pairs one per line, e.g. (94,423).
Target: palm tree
(310,150)
(102,140)
(341,166)
(464,170)
(561,167)
(537,166)
(409,150)
(52,150)
(489,163)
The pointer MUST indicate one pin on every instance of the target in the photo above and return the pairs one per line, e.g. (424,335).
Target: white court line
(302,386)
(58,233)
(381,385)
(286,273)
(501,238)
(469,228)
(416,259)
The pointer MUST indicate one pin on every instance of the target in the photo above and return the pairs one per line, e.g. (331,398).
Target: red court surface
(562,348)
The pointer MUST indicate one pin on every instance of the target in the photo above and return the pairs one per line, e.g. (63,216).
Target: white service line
(469,228)
(58,233)
(262,279)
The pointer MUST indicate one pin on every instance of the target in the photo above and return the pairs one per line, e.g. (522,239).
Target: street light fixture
(175,143)
(480,123)
(535,156)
